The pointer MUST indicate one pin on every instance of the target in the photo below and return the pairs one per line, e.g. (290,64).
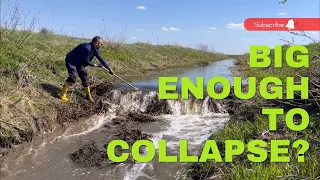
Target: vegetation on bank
(44,54)
(32,71)
(247,123)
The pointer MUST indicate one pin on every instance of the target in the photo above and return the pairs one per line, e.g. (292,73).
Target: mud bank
(65,115)
(120,128)
(130,115)
(68,113)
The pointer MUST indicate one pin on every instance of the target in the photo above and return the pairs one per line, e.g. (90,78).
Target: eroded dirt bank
(57,115)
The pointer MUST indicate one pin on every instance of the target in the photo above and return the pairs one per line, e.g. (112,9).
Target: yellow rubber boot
(63,94)
(87,90)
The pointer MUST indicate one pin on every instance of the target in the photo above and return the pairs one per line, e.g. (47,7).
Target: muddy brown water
(47,157)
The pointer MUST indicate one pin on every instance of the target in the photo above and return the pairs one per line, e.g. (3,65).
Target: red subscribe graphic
(282,24)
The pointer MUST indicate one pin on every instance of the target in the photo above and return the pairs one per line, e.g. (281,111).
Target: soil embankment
(32,71)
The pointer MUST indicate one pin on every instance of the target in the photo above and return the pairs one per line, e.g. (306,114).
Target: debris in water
(158,107)
(139,117)
(102,89)
(134,117)
(118,120)
(132,135)
(125,129)
(82,109)
(89,156)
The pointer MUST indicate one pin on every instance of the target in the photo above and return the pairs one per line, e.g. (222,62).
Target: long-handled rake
(123,80)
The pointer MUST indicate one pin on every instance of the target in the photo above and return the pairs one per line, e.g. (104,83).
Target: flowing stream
(192,120)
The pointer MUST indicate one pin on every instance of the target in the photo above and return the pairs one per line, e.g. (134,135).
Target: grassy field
(32,71)
(43,55)
(247,123)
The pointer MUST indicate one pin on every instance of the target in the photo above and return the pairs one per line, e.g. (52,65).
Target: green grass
(32,71)
(285,70)
(42,57)
(245,130)
(42,50)
(242,168)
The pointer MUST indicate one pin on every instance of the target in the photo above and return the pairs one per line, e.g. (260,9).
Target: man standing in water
(76,62)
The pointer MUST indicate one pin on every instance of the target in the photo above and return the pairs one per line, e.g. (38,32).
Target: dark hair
(95,39)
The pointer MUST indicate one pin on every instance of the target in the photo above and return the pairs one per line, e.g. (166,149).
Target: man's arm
(102,61)
(86,53)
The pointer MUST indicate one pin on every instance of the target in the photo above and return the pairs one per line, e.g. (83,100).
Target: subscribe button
(282,24)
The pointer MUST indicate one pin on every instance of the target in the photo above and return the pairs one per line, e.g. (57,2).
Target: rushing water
(192,120)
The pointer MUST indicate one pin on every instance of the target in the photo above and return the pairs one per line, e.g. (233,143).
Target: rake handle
(122,80)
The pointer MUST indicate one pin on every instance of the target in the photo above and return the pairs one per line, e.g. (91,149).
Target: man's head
(97,42)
